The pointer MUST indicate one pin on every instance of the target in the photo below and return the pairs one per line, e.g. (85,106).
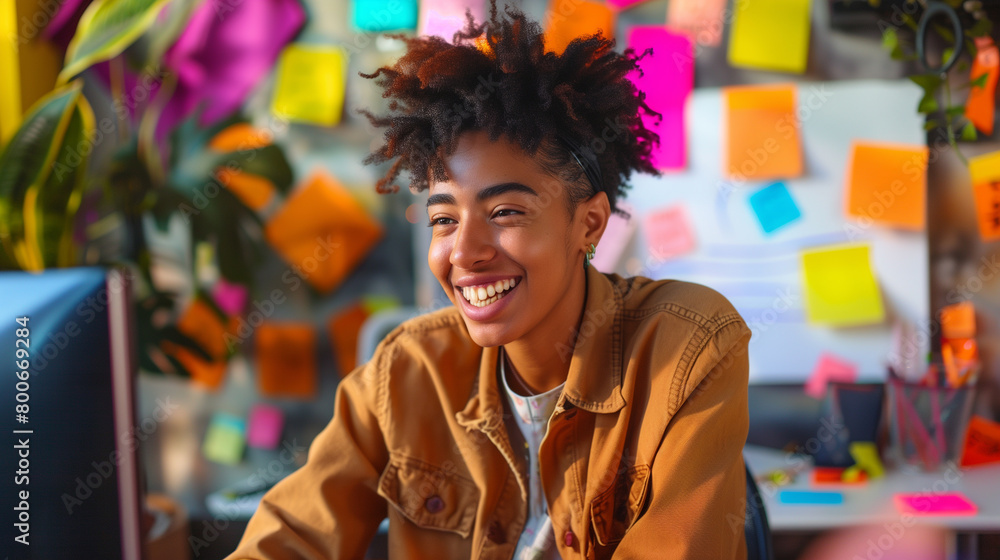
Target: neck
(541,359)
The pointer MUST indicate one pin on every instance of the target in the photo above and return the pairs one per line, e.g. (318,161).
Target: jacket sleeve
(329,508)
(697,493)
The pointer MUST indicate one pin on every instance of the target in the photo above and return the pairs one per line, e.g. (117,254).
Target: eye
(506,212)
(440,221)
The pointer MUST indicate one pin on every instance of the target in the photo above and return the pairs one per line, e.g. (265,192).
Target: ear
(592,216)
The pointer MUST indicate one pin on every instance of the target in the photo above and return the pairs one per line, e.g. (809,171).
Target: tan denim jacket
(643,457)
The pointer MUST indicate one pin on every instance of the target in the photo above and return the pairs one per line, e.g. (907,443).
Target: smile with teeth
(481,296)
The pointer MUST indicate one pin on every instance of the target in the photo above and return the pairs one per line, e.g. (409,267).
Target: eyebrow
(485,194)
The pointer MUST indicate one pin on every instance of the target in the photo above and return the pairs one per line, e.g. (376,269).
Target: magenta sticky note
(622,4)
(933,503)
(829,368)
(667,80)
(616,238)
(668,232)
(231,298)
(266,423)
(444,17)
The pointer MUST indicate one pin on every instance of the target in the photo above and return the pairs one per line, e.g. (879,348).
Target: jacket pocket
(614,511)
(430,496)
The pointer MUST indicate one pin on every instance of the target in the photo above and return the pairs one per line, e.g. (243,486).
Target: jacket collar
(595,372)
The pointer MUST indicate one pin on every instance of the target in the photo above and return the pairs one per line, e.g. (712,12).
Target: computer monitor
(68,452)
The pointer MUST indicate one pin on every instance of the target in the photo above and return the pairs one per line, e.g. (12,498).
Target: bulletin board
(762,273)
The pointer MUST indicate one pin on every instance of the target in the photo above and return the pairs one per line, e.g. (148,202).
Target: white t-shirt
(531,416)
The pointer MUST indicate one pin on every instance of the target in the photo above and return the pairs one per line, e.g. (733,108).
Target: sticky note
(933,503)
(224,441)
(702,20)
(982,442)
(203,325)
(668,233)
(774,207)
(10,73)
(980,107)
(565,21)
(985,173)
(376,16)
(310,84)
(840,287)
(887,184)
(810,497)
(322,231)
(836,475)
(958,320)
(344,328)
(286,360)
(616,238)
(770,35)
(444,17)
(231,298)
(375,303)
(622,4)
(265,425)
(829,369)
(865,455)
(761,136)
(667,79)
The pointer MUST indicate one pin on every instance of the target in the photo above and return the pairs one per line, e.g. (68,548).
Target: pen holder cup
(927,424)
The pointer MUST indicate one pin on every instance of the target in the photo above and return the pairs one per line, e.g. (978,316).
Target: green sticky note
(225,439)
(840,287)
(770,35)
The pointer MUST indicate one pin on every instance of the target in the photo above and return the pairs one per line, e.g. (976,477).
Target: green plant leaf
(955,111)
(982,28)
(980,81)
(25,165)
(931,124)
(928,104)
(106,29)
(927,82)
(969,132)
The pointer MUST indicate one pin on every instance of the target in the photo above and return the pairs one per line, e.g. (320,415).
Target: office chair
(755,527)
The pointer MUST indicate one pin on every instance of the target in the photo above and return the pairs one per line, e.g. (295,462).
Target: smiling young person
(553,411)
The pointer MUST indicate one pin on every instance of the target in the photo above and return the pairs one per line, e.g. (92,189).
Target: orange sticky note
(322,232)
(985,173)
(761,133)
(887,184)
(203,325)
(702,20)
(980,107)
(982,442)
(958,320)
(344,328)
(286,359)
(565,21)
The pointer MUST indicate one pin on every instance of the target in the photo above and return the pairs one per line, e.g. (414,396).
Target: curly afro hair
(497,77)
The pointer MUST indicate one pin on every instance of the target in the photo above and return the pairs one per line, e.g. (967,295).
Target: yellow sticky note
(839,286)
(985,173)
(887,184)
(866,457)
(771,35)
(310,84)
(10,74)
(762,139)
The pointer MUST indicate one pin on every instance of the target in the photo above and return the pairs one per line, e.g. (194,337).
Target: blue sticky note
(774,207)
(376,16)
(810,498)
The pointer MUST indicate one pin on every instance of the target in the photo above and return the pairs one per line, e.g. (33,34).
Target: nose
(473,245)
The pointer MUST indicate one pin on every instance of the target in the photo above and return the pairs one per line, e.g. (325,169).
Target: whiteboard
(760,273)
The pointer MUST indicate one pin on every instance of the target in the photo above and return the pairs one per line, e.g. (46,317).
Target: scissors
(933,10)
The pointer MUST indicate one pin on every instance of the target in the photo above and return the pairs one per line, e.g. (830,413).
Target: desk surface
(871,503)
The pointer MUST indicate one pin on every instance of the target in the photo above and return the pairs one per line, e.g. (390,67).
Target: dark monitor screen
(68,455)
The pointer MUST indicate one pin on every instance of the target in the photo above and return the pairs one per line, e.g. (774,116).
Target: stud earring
(589,256)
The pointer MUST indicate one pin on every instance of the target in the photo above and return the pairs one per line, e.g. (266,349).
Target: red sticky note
(668,233)
(702,20)
(887,184)
(761,137)
(829,368)
(667,80)
(266,422)
(616,238)
(927,503)
(835,475)
(565,21)
(982,442)
(980,107)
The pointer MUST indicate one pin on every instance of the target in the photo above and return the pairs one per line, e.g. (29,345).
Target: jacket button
(569,538)
(496,534)
(434,504)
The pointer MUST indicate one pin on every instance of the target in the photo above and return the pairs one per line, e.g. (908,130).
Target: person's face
(504,246)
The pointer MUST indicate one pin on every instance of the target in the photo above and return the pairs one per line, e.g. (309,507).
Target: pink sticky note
(668,233)
(931,503)
(265,427)
(614,241)
(702,20)
(829,368)
(444,17)
(667,80)
(622,4)
(231,298)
